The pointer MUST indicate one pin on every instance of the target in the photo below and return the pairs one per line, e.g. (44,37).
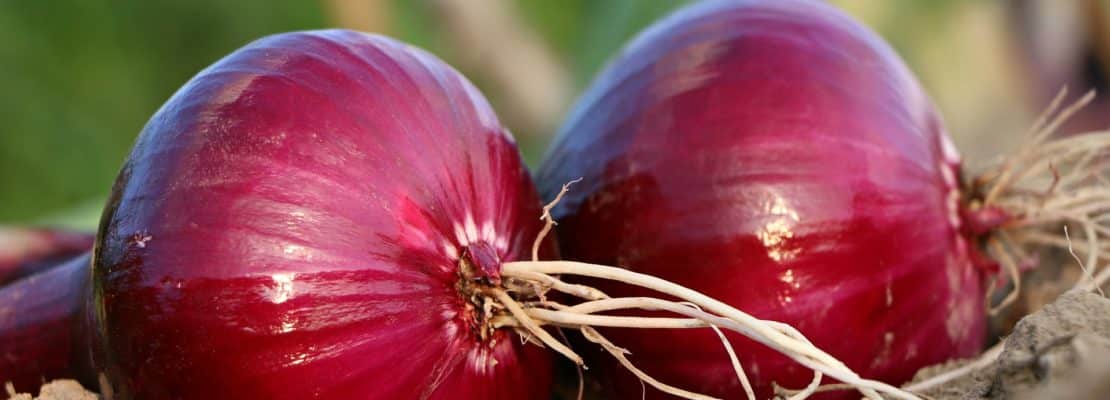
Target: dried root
(1046,189)
(519,303)
(776,335)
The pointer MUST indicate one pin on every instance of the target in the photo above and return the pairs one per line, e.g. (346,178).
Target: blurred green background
(80,78)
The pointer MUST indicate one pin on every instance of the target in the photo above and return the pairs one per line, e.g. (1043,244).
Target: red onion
(333,214)
(779,157)
(25,251)
(293,224)
(42,334)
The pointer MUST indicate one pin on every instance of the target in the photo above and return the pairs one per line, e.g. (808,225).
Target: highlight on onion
(780,157)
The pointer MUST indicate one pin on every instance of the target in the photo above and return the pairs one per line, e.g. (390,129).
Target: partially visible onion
(42,334)
(26,250)
(780,157)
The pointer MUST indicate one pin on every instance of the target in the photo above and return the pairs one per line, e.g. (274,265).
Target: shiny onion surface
(780,157)
(291,225)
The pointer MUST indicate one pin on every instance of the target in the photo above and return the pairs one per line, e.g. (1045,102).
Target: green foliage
(81,78)
(589,32)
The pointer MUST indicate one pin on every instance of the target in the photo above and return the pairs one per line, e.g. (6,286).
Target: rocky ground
(1060,352)
(56,390)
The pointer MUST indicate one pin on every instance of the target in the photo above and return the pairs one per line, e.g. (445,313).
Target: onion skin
(42,334)
(288,226)
(25,250)
(780,157)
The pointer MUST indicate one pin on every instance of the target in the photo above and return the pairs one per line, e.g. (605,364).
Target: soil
(1060,352)
(62,389)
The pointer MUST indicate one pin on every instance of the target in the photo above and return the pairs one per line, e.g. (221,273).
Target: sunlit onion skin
(42,334)
(289,226)
(780,157)
(26,250)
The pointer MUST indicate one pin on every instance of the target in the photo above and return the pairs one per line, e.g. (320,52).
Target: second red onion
(780,157)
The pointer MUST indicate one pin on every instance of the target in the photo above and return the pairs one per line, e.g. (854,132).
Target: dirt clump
(1060,352)
(62,389)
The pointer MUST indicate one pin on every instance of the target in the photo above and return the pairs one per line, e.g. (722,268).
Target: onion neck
(1026,202)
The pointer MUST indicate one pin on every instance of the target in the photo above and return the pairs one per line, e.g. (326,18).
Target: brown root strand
(534,329)
(1088,277)
(577,368)
(580,291)
(736,366)
(984,359)
(809,390)
(621,355)
(1007,261)
(548,221)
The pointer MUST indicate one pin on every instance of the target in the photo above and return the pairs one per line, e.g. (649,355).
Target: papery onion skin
(27,250)
(42,327)
(288,226)
(780,157)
